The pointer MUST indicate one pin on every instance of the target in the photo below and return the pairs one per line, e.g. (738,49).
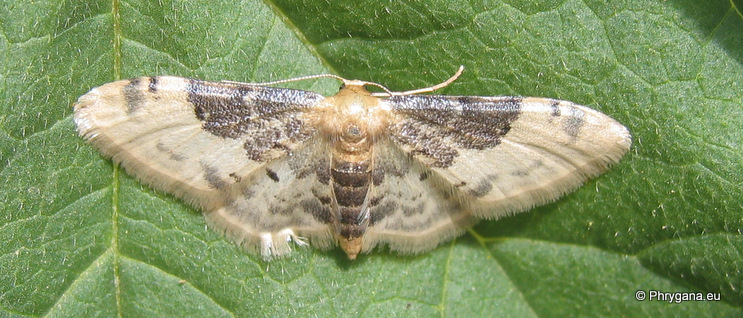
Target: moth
(271,166)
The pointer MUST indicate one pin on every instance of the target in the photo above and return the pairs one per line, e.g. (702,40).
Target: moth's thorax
(353,115)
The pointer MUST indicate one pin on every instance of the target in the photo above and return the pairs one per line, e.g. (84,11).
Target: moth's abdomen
(350,173)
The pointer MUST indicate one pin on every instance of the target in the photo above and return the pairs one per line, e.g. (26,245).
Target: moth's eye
(342,86)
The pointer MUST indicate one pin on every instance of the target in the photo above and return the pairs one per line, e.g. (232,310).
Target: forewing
(193,138)
(504,155)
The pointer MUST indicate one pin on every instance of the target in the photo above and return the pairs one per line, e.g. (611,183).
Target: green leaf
(81,238)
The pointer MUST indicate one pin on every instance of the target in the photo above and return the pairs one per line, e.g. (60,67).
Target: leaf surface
(81,238)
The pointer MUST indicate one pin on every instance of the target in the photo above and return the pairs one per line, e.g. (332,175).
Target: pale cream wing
(193,138)
(287,199)
(507,154)
(411,209)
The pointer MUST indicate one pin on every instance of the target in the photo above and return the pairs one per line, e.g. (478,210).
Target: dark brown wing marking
(269,118)
(436,126)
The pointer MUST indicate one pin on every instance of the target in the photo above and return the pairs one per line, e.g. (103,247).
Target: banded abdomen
(350,175)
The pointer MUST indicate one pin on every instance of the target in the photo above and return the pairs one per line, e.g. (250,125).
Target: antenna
(426,89)
(387,92)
